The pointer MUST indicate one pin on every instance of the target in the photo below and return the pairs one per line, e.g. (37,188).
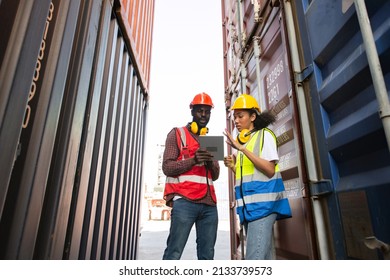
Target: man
(189,186)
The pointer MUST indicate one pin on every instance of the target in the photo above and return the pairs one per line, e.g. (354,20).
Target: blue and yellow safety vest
(257,195)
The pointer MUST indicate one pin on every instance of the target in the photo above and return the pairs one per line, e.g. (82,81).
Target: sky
(187,58)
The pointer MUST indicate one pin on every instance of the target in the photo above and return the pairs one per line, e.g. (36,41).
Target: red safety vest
(194,183)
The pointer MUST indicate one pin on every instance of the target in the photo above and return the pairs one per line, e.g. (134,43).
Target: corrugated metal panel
(352,152)
(18,64)
(26,188)
(136,19)
(257,62)
(74,191)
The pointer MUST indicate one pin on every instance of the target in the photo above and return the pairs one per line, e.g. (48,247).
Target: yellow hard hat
(245,101)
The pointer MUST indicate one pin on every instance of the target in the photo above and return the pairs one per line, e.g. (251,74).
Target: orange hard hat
(202,99)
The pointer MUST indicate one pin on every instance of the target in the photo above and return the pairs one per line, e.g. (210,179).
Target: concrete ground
(154,234)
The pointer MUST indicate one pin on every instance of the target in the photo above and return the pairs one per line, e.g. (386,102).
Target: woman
(259,189)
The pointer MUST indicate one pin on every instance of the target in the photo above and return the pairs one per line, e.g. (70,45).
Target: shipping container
(74,86)
(306,61)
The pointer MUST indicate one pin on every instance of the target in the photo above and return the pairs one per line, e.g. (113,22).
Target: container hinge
(300,77)
(320,188)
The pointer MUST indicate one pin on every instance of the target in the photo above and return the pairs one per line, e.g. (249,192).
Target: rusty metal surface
(76,170)
(136,20)
(267,76)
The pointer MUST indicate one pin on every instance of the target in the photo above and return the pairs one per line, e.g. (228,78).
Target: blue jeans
(183,216)
(259,238)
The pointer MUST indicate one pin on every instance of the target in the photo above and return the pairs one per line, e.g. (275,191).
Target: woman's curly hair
(264,119)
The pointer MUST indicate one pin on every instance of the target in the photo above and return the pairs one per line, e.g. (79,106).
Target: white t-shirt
(270,151)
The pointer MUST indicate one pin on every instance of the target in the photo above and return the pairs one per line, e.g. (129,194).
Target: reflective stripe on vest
(262,197)
(183,139)
(188,178)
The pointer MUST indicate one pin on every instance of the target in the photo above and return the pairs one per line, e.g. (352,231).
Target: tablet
(213,144)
